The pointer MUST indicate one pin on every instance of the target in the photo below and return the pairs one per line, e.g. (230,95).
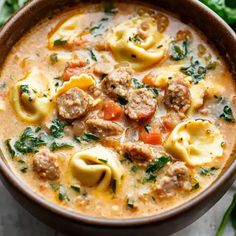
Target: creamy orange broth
(138,194)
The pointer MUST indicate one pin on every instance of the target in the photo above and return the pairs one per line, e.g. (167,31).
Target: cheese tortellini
(30,97)
(136,41)
(200,91)
(97,166)
(68,31)
(83,81)
(197,142)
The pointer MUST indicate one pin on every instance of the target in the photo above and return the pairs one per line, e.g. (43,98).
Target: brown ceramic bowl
(219,34)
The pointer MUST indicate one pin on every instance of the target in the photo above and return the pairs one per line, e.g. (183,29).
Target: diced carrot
(70,71)
(111,110)
(150,134)
(149,79)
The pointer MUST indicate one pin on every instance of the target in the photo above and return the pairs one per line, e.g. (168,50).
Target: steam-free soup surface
(116,110)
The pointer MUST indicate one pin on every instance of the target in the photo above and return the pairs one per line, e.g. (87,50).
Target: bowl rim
(16,182)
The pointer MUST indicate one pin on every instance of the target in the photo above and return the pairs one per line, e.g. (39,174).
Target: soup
(116,110)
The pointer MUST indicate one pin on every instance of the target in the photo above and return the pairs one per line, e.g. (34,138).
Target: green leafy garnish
(138,85)
(130,203)
(60,42)
(158,164)
(123,101)
(195,70)
(9,7)
(135,39)
(57,128)
(226,9)
(195,186)
(94,28)
(178,51)
(25,89)
(55,186)
(154,91)
(62,194)
(204,171)
(229,214)
(76,188)
(148,128)
(54,58)
(103,160)
(227,114)
(30,140)
(88,137)
(10,148)
(93,56)
(134,169)
(154,167)
(77,139)
(56,145)
(109,7)
(23,166)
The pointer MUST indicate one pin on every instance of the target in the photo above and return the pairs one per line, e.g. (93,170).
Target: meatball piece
(138,152)
(103,128)
(178,169)
(45,165)
(176,177)
(73,104)
(141,104)
(178,97)
(118,82)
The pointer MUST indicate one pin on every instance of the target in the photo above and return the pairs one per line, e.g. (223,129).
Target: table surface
(16,221)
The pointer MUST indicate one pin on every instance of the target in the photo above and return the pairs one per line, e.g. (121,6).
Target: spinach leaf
(154,167)
(57,128)
(94,28)
(233,218)
(135,39)
(178,51)
(60,42)
(229,214)
(55,186)
(148,128)
(93,56)
(88,137)
(195,186)
(76,188)
(130,203)
(24,88)
(138,85)
(123,101)
(227,114)
(54,58)
(23,166)
(195,70)
(204,171)
(10,148)
(226,9)
(158,164)
(57,145)
(9,7)
(62,195)
(30,140)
